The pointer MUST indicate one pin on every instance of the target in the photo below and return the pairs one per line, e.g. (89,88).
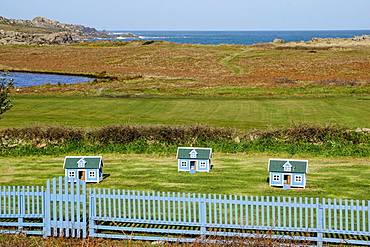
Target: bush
(5,86)
(301,139)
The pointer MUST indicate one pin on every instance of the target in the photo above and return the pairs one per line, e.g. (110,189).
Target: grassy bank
(245,114)
(56,125)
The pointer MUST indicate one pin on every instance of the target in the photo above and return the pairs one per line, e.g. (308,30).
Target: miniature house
(288,173)
(194,159)
(87,168)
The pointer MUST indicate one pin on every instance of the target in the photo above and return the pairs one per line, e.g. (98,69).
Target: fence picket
(358,215)
(352,217)
(363,217)
(2,200)
(335,214)
(368,216)
(341,214)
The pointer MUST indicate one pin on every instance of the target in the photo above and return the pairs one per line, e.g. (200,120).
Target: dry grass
(163,66)
(22,240)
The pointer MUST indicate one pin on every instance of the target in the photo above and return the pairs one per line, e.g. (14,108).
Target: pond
(34,79)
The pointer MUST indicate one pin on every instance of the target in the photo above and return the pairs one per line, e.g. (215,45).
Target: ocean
(237,37)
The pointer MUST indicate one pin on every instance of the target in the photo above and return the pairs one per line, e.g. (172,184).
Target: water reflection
(34,79)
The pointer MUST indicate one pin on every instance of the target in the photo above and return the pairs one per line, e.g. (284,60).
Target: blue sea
(237,37)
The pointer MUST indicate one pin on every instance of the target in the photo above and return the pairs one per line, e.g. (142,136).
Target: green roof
(90,162)
(201,153)
(297,166)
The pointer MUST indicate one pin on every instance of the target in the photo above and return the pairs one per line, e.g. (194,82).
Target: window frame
(287,168)
(298,178)
(276,177)
(203,164)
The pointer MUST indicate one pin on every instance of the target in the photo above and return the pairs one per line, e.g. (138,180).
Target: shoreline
(64,73)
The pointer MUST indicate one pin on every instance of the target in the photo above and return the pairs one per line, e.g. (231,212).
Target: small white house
(193,160)
(87,168)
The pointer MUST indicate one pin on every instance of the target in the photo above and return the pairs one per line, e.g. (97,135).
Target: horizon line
(232,30)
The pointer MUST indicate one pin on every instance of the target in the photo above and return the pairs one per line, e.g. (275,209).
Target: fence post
(46,210)
(320,223)
(92,205)
(203,213)
(21,208)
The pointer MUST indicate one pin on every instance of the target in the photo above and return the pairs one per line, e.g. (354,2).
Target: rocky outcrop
(318,43)
(77,31)
(55,32)
(281,41)
(363,38)
(16,38)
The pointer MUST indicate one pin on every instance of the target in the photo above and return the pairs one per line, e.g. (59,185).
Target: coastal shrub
(284,80)
(296,139)
(300,47)
(316,134)
(171,135)
(37,135)
(337,83)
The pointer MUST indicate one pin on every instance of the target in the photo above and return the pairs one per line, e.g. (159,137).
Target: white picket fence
(70,210)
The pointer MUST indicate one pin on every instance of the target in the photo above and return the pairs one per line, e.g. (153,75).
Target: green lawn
(232,174)
(91,112)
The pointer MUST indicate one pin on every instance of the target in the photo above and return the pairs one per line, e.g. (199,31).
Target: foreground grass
(233,174)
(36,241)
(245,114)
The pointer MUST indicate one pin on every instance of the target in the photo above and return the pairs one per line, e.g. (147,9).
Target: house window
(193,154)
(71,174)
(81,163)
(184,164)
(287,167)
(91,174)
(298,178)
(203,164)
(276,177)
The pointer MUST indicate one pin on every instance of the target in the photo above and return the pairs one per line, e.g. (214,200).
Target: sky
(243,15)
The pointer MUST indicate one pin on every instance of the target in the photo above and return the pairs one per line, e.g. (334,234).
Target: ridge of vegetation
(302,140)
